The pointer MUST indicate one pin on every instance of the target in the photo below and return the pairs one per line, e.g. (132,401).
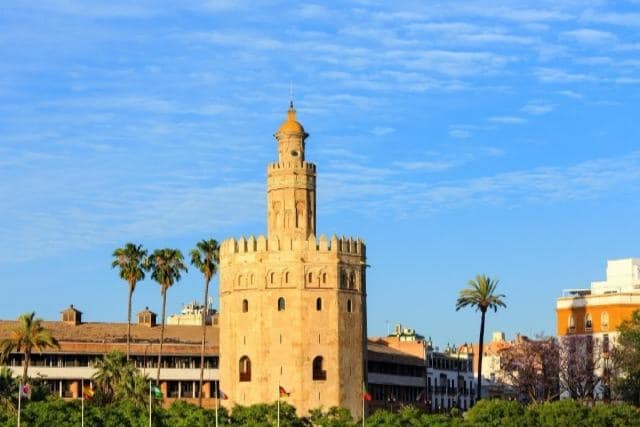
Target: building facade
(292,305)
(83,343)
(598,311)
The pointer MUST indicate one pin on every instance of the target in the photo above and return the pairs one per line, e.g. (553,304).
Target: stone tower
(292,306)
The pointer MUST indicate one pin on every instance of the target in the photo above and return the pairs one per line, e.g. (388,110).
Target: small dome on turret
(291,125)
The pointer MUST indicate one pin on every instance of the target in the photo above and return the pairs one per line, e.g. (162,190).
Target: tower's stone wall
(290,298)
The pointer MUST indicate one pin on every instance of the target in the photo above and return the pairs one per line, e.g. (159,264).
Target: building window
(286,277)
(572,323)
(251,282)
(349,306)
(272,278)
(310,277)
(319,374)
(343,280)
(588,322)
(604,320)
(318,304)
(281,304)
(605,343)
(352,281)
(245,369)
(324,277)
(245,305)
(240,280)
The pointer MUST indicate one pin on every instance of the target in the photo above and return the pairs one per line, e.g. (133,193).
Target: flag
(87,392)
(156,392)
(283,392)
(222,395)
(365,394)
(25,391)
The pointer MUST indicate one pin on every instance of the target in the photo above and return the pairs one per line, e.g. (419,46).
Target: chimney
(72,316)
(147,318)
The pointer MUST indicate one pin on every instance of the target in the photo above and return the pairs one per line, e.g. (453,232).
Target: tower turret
(291,185)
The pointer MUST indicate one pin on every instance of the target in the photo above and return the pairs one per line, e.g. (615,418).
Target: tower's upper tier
(291,125)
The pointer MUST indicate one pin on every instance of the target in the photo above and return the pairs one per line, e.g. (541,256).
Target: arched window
(251,281)
(272,278)
(281,304)
(310,277)
(324,277)
(240,280)
(352,281)
(245,305)
(343,280)
(245,369)
(572,323)
(588,322)
(319,374)
(604,320)
(349,306)
(286,277)
(318,304)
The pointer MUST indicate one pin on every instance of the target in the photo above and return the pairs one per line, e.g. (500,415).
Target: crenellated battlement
(310,167)
(340,245)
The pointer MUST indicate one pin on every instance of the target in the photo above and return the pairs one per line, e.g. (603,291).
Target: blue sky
(455,137)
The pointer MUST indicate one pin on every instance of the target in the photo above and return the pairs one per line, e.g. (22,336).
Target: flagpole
(82,400)
(278,404)
(19,401)
(217,390)
(149,403)
(363,387)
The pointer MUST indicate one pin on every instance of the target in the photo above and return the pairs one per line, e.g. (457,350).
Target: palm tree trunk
(205,311)
(164,304)
(480,353)
(129,322)
(25,365)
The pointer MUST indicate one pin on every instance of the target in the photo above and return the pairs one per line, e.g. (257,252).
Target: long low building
(397,372)
(81,344)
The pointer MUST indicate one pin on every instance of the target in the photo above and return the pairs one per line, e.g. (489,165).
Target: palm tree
(165,265)
(130,260)
(205,257)
(111,370)
(481,295)
(28,335)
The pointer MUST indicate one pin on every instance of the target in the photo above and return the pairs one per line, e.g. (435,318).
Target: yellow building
(292,306)
(597,313)
(600,310)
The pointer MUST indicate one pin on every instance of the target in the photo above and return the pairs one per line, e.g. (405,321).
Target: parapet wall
(292,165)
(338,245)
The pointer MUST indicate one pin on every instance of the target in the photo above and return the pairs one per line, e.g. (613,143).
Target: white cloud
(426,165)
(459,133)
(381,131)
(508,120)
(570,94)
(555,75)
(589,36)
(537,108)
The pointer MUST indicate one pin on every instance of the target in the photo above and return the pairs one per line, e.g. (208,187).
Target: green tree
(496,412)
(8,391)
(205,257)
(265,415)
(626,360)
(333,417)
(166,266)
(564,412)
(26,336)
(130,260)
(481,294)
(117,379)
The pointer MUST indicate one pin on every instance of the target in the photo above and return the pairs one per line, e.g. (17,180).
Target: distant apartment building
(598,311)
(419,374)
(191,314)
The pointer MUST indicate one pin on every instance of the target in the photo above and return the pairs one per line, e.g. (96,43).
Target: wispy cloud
(381,131)
(537,108)
(507,120)
(555,75)
(590,36)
